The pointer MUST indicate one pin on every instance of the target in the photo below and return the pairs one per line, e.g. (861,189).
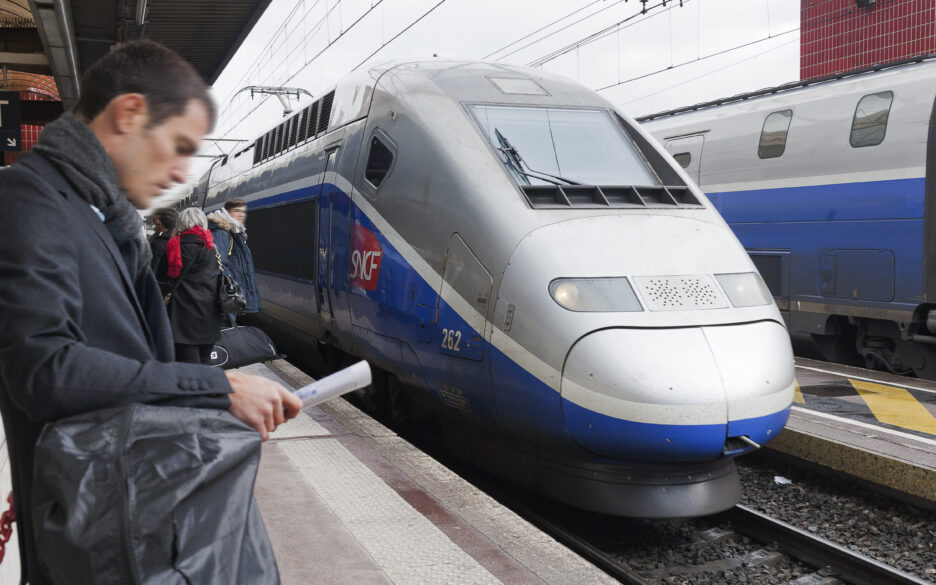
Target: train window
(585,146)
(258,150)
(313,119)
(278,144)
(268,145)
(683,158)
(325,112)
(379,160)
(289,126)
(303,126)
(283,234)
(870,122)
(294,129)
(774,134)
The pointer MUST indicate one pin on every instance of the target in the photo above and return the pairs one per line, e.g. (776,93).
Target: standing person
(190,269)
(228,228)
(82,322)
(165,220)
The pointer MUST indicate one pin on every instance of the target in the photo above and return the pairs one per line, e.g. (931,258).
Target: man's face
(150,160)
(239,213)
(158,226)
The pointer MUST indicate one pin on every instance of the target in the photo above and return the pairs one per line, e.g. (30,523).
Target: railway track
(833,563)
(845,564)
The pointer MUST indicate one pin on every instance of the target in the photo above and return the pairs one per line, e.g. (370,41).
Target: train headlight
(594,294)
(746,289)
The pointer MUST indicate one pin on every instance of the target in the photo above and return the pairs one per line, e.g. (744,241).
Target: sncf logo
(366,256)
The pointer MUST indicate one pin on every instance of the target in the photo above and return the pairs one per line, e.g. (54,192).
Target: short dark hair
(232,203)
(167,216)
(165,79)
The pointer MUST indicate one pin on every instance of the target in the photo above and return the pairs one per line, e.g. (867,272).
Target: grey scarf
(71,146)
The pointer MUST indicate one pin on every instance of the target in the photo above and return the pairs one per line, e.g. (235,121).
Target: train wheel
(375,399)
(841,347)
(919,357)
(401,408)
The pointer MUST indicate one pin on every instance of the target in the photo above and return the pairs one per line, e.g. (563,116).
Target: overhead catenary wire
(278,40)
(707,73)
(399,34)
(809,26)
(703,58)
(542,28)
(614,28)
(541,39)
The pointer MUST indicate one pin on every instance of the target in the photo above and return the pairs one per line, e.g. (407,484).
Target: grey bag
(147,494)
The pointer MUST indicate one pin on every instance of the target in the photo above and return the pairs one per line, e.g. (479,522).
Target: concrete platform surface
(881,429)
(346,501)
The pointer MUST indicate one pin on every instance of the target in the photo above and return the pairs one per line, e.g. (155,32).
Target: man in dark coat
(228,229)
(82,323)
(165,221)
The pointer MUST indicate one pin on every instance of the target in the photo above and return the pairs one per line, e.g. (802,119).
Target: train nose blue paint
(675,394)
(645,394)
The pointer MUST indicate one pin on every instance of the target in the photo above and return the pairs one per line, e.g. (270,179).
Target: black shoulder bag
(230,296)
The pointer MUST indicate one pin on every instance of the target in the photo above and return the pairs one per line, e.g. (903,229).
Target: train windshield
(543,146)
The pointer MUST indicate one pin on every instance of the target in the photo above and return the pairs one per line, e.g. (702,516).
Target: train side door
(688,153)
(323,257)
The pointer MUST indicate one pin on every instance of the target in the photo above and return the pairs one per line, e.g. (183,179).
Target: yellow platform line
(798,394)
(895,406)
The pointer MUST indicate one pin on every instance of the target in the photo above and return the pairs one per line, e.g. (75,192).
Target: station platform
(348,502)
(874,426)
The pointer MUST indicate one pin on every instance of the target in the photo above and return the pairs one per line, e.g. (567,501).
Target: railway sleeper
(821,577)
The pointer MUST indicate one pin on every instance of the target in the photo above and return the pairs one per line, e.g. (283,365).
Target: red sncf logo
(366,255)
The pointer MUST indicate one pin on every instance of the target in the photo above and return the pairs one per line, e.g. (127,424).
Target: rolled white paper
(341,382)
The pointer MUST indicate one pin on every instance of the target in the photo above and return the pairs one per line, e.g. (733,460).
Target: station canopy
(76,33)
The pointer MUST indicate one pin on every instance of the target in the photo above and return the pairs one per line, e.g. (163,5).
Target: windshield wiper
(517,163)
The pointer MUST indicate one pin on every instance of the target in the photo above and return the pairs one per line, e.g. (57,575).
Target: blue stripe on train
(854,241)
(622,439)
(525,406)
(872,200)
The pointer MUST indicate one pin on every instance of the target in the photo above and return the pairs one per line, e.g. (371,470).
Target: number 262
(451,339)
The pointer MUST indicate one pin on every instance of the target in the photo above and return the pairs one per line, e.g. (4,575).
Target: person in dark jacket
(229,231)
(190,269)
(83,326)
(165,220)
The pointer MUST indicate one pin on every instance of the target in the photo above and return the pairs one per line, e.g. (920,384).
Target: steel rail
(604,561)
(850,566)
(583,548)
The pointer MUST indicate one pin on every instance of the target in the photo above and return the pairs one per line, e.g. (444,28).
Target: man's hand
(261,403)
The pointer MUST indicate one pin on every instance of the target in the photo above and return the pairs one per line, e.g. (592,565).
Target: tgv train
(528,267)
(830,187)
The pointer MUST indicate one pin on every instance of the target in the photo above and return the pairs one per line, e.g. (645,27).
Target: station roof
(76,33)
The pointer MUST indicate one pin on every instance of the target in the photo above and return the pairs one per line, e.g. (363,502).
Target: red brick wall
(838,36)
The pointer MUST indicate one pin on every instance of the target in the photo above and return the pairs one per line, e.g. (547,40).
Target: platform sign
(10,121)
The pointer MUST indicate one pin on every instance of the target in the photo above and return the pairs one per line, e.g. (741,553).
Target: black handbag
(241,346)
(231,297)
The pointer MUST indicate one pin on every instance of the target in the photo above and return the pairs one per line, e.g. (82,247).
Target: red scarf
(174,251)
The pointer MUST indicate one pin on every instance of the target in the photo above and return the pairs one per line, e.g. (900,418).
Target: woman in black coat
(190,267)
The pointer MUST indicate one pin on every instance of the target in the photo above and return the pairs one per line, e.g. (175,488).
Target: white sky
(670,57)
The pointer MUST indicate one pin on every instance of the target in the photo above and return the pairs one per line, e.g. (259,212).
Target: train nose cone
(677,394)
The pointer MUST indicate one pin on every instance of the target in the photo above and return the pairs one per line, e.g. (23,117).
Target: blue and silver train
(524,264)
(829,185)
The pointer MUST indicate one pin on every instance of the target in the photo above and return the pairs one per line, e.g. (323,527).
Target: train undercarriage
(898,348)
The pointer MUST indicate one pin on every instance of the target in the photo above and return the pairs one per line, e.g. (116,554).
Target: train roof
(457,80)
(786,87)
